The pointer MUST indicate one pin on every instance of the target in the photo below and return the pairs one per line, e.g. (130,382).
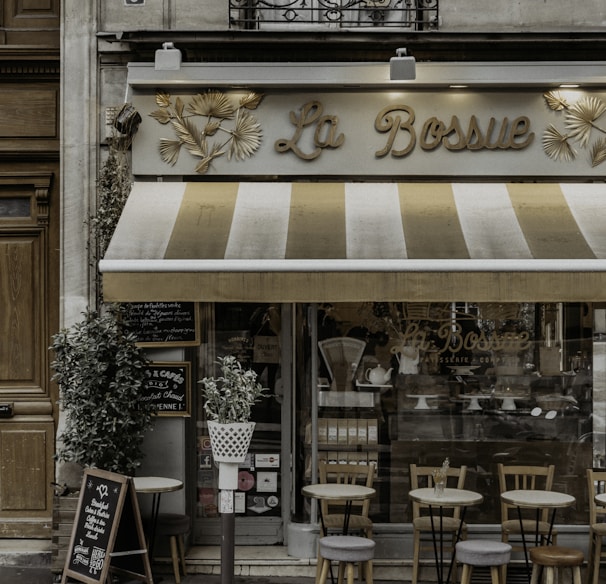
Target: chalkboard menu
(168,388)
(107,534)
(165,323)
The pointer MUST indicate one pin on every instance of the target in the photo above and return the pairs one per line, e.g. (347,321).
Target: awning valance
(330,242)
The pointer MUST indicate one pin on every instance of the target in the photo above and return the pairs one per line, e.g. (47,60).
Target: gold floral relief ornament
(580,119)
(227,128)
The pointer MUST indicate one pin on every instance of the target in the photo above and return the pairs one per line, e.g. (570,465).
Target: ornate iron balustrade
(281,15)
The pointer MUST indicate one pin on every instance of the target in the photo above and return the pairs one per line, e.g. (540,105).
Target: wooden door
(27,297)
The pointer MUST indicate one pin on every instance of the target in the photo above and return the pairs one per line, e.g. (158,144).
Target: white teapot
(378,375)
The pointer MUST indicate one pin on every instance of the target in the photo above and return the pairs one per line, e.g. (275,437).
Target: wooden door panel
(30,14)
(24,478)
(20,322)
(26,471)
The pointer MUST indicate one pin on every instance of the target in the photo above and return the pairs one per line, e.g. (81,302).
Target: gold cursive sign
(398,122)
(325,133)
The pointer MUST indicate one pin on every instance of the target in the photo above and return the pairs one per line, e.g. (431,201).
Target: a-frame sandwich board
(107,536)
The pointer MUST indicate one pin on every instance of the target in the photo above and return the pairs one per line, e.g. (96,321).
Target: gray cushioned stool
(550,557)
(481,552)
(347,550)
(174,526)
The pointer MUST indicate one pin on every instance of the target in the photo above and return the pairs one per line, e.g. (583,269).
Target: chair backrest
(422,476)
(596,484)
(353,474)
(342,357)
(527,477)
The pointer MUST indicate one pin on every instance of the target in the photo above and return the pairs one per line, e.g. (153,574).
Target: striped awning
(330,242)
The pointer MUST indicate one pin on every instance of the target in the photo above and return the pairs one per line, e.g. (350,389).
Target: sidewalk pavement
(38,575)
(42,575)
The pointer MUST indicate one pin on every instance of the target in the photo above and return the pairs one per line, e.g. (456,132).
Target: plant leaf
(203,166)
(186,131)
(162,99)
(200,150)
(246,137)
(581,116)
(179,106)
(598,152)
(169,150)
(556,145)
(555,101)
(251,101)
(211,128)
(163,116)
(212,104)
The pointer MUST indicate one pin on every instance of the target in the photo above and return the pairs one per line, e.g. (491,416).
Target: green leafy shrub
(101,376)
(230,397)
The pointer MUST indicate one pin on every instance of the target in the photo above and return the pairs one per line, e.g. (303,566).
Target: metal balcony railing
(284,15)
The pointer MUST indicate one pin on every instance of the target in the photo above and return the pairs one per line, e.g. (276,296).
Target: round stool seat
(480,552)
(173,524)
(556,556)
(347,548)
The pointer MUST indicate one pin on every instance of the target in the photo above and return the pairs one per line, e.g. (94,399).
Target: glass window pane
(14,207)
(250,332)
(477,383)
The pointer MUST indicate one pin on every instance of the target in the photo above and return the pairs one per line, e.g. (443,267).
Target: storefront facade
(451,235)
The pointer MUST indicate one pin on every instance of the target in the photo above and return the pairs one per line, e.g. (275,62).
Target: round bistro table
(537,499)
(155,486)
(447,499)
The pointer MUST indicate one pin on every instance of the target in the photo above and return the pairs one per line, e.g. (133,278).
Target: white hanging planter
(230,442)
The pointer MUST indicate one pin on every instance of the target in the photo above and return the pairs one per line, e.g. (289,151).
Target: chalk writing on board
(167,388)
(107,536)
(165,323)
(94,525)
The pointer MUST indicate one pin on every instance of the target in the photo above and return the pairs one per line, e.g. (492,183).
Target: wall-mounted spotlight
(402,66)
(167,58)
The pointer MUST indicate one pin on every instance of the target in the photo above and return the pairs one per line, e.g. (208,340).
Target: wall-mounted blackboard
(107,534)
(165,323)
(168,388)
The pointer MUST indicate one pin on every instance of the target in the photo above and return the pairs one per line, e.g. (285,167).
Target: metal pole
(228,523)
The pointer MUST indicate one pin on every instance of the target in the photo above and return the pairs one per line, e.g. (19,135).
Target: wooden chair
(422,476)
(596,483)
(517,477)
(333,512)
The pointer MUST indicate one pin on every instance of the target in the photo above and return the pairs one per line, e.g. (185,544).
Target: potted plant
(228,402)
(101,375)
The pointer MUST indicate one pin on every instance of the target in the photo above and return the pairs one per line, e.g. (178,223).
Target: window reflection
(14,207)
(480,383)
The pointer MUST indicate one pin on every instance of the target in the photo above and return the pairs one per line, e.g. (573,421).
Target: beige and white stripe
(361,221)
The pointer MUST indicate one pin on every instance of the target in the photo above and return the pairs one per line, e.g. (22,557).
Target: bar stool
(347,550)
(480,552)
(175,526)
(550,557)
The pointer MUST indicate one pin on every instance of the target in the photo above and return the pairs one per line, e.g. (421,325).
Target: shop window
(251,332)
(477,383)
